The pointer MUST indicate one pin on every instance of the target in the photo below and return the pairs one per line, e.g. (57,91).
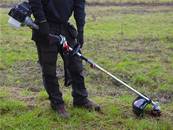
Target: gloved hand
(80,38)
(76,49)
(44,29)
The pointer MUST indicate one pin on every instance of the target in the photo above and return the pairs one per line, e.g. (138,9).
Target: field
(134,42)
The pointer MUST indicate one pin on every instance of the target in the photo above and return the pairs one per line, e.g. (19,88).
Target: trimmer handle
(29,22)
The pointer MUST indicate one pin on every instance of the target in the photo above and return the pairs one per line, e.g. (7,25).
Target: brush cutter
(138,104)
(20,15)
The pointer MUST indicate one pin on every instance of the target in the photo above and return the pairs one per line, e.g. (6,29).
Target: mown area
(134,43)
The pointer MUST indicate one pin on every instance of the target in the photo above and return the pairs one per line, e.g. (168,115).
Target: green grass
(129,26)
(116,115)
(134,43)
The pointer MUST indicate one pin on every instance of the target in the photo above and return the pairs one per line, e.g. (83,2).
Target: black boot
(60,109)
(88,105)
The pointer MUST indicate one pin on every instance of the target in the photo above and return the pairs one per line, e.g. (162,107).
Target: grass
(134,43)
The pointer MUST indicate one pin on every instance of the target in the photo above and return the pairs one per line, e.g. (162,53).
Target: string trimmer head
(140,103)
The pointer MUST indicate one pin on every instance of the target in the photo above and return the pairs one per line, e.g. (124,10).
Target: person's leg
(79,91)
(48,58)
(75,67)
(48,55)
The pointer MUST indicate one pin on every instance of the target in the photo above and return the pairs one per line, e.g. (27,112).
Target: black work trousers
(48,58)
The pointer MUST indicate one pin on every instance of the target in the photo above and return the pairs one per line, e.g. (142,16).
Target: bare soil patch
(30,100)
(25,74)
(165,97)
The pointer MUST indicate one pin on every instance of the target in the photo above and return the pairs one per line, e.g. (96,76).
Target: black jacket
(59,11)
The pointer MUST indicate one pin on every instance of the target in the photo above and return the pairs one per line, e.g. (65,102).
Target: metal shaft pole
(114,77)
(120,81)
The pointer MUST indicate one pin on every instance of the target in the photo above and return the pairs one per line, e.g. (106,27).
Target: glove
(76,49)
(44,28)
(44,31)
(80,38)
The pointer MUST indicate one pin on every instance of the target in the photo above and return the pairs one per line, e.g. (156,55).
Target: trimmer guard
(139,105)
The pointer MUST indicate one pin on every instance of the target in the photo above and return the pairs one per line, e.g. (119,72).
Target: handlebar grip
(29,22)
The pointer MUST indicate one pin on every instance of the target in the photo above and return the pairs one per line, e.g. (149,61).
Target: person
(52,16)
